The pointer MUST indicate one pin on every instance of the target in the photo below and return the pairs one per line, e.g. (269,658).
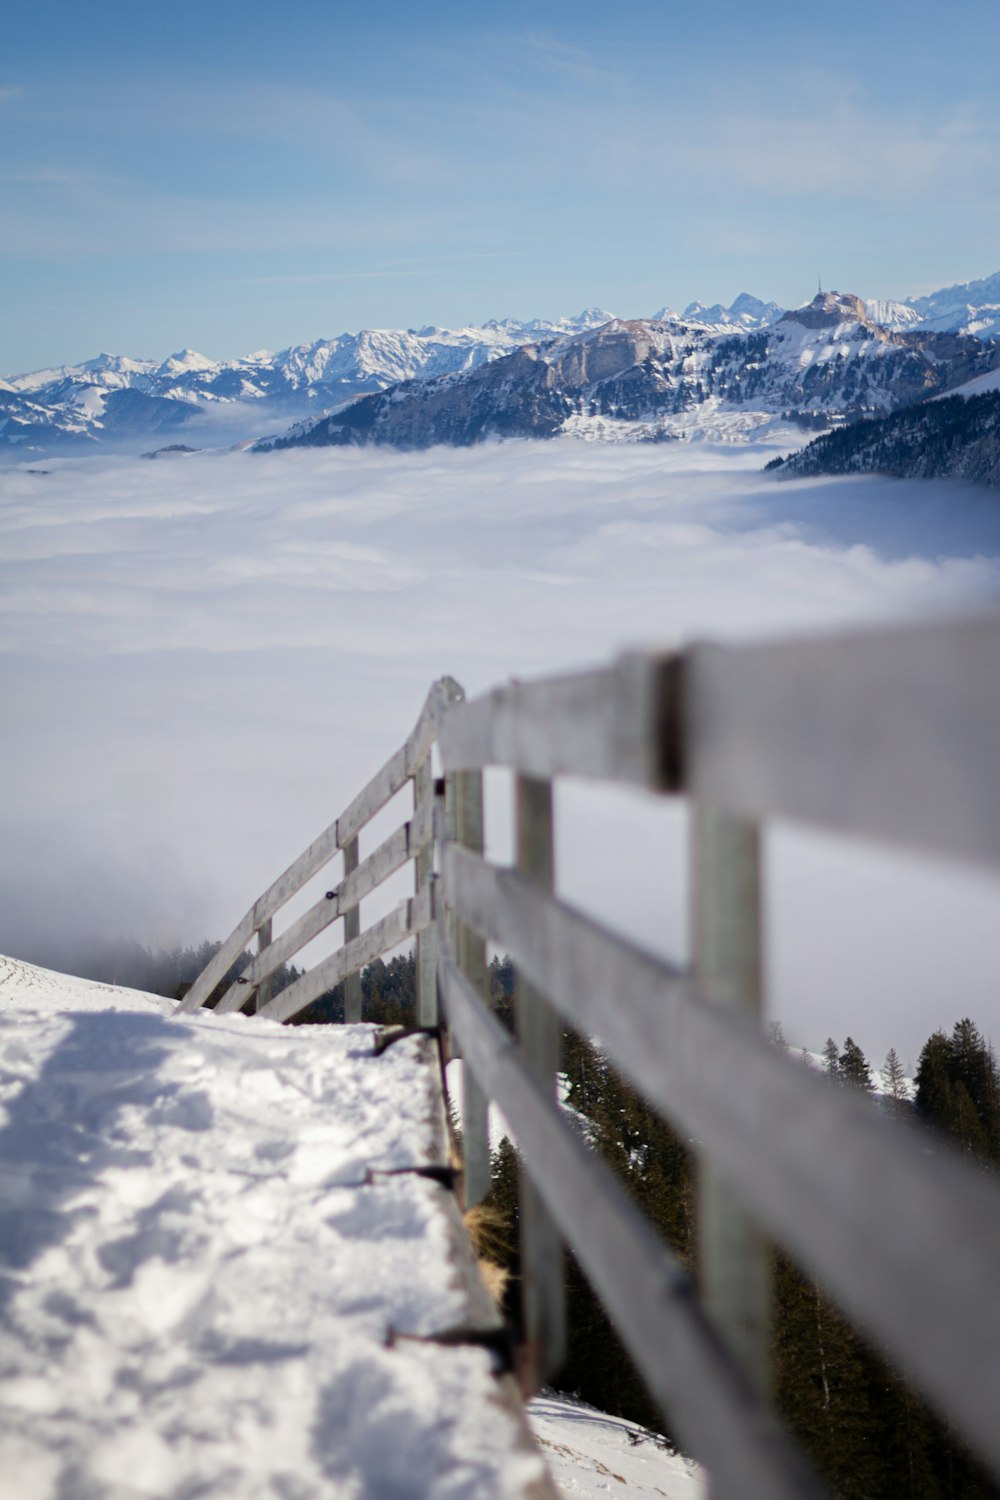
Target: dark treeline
(867,1431)
(157,971)
(389,989)
(125,962)
(947,436)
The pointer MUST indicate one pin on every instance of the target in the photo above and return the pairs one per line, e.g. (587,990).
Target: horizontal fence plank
(647,1292)
(890,733)
(401,766)
(372,798)
(615,722)
(384,861)
(390,856)
(891,1227)
(409,917)
(309,862)
(383,786)
(215,970)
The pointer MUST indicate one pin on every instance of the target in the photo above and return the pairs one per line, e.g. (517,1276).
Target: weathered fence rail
(891,734)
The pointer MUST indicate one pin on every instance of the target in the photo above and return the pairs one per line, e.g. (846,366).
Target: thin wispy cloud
(510,61)
(853,151)
(64,177)
(401,268)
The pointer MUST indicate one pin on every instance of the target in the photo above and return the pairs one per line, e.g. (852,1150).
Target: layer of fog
(201,662)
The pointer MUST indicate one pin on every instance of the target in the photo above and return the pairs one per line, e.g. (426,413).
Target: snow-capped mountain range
(642,380)
(115,397)
(969,307)
(114,400)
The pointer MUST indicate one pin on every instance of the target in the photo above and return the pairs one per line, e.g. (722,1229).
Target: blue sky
(231,176)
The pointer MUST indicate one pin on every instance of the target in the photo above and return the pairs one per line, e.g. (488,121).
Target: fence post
(734,1257)
(264,988)
(352,929)
(427,1000)
(464,792)
(540,1036)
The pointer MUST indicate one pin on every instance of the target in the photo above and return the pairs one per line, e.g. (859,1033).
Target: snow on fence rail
(888,734)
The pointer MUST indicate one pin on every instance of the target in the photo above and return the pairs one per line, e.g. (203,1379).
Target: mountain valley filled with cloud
(203,660)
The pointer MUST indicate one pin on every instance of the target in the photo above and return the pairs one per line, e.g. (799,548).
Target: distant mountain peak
(746,312)
(827,309)
(186,360)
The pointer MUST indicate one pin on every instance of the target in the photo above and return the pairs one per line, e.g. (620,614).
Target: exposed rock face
(827,359)
(827,309)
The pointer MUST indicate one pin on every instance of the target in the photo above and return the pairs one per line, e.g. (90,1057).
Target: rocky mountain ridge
(637,379)
(114,400)
(74,406)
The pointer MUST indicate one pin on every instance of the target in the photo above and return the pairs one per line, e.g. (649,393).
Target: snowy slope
(892,314)
(978,386)
(968,307)
(592,1455)
(201,1282)
(44,990)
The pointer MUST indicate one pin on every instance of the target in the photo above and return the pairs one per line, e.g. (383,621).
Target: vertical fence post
(352,929)
(464,791)
(727,950)
(539,1033)
(264,988)
(427,1002)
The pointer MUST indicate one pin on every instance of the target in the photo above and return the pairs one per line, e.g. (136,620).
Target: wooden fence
(891,734)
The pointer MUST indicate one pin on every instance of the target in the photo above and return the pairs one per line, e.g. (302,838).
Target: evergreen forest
(947,437)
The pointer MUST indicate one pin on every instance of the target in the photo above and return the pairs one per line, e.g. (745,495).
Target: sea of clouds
(203,659)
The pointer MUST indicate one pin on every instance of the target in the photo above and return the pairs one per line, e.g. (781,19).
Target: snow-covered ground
(206,1286)
(592,1455)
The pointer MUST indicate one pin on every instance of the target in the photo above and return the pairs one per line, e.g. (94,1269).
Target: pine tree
(893,1078)
(854,1069)
(958,1090)
(972,1064)
(933,1098)
(832,1059)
